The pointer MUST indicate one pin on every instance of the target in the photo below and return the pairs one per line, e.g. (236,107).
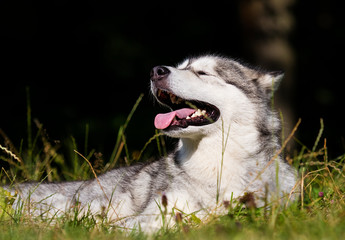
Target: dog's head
(208,91)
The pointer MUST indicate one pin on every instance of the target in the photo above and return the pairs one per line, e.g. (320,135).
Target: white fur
(220,160)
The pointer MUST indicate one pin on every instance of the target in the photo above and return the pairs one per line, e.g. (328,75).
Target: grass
(319,214)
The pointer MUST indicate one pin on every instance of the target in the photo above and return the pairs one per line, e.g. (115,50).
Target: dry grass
(319,214)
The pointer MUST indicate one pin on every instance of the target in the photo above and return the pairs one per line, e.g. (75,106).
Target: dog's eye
(201,73)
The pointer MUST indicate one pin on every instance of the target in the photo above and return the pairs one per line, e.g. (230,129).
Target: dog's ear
(269,81)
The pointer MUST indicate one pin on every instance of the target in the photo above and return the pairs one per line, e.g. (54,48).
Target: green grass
(319,214)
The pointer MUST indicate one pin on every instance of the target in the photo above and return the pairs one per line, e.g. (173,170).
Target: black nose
(158,73)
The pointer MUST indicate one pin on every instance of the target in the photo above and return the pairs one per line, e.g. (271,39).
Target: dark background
(87,62)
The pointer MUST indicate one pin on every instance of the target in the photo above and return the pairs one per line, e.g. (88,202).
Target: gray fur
(188,176)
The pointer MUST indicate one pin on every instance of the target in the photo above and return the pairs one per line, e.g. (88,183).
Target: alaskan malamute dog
(229,136)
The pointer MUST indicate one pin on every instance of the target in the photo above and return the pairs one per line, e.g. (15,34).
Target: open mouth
(184,112)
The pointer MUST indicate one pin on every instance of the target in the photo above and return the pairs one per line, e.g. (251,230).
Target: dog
(220,109)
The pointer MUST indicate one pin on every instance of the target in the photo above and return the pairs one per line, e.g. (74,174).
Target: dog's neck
(220,155)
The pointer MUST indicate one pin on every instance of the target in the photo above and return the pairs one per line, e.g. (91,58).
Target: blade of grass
(99,183)
(220,172)
(163,146)
(158,143)
(147,143)
(122,130)
(75,159)
(9,143)
(117,149)
(127,158)
(317,139)
(318,135)
(28,122)
(132,111)
(10,153)
(283,129)
(277,154)
(86,138)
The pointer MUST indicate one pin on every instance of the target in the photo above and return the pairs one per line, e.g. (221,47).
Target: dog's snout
(159,72)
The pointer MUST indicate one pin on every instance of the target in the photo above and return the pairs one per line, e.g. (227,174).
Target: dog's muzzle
(184,112)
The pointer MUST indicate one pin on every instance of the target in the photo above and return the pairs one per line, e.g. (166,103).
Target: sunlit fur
(228,158)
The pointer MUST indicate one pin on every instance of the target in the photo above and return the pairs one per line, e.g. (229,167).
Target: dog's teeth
(159,92)
(172,98)
(198,113)
(175,99)
(179,100)
(188,117)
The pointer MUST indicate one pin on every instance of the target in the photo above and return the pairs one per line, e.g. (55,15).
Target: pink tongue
(163,120)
